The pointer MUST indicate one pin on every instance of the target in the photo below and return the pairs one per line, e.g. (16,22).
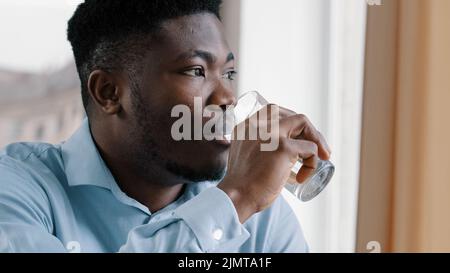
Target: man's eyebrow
(230,57)
(205,55)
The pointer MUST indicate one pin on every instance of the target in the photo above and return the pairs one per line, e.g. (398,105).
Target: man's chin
(212,173)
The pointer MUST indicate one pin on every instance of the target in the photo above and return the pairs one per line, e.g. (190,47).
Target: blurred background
(372,75)
(39,87)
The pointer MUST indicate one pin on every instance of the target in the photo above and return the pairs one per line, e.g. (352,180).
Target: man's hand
(255,178)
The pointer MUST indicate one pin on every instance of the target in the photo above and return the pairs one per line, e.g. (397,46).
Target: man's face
(189,58)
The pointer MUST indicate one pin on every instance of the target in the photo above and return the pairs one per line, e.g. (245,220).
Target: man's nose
(222,96)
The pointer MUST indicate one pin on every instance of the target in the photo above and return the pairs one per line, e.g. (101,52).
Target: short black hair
(105,34)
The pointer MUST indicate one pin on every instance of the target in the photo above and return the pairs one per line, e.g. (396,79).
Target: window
(37,77)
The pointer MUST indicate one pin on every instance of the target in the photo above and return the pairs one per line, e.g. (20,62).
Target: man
(121,182)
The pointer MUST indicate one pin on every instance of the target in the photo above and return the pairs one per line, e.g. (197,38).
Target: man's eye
(230,75)
(195,72)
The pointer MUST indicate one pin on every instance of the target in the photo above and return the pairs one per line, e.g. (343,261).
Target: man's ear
(105,91)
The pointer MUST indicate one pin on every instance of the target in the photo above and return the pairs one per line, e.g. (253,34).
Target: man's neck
(155,189)
(155,197)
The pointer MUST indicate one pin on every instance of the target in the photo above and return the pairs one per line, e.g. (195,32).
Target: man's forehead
(190,33)
(195,23)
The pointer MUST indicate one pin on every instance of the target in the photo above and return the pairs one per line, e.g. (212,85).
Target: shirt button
(217,234)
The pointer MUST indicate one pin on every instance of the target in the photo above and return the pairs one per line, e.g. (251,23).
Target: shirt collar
(82,161)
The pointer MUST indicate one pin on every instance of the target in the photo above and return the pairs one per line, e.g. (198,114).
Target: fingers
(308,151)
(299,127)
(327,147)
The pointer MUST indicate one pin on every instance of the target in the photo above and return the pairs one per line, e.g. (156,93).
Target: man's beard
(192,175)
(147,152)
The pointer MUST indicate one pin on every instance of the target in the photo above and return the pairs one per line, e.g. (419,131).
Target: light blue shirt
(63,198)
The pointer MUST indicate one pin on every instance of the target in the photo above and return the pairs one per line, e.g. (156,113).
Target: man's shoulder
(280,226)
(279,216)
(29,181)
(21,151)
(26,159)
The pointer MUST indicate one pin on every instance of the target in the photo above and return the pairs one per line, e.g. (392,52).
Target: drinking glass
(250,103)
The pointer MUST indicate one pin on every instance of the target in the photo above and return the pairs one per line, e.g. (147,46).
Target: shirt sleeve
(206,223)
(25,216)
